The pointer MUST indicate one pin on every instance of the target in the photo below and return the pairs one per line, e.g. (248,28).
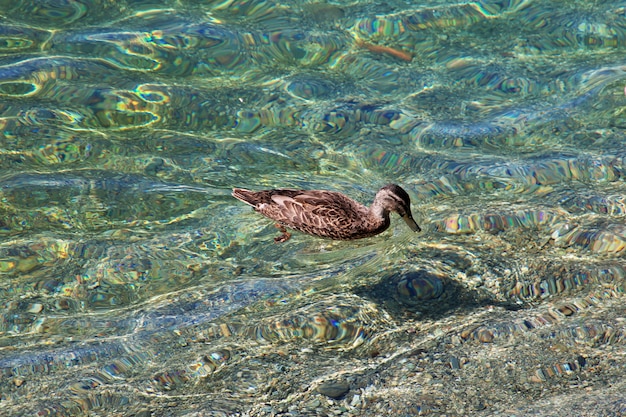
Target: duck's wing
(312,211)
(267,197)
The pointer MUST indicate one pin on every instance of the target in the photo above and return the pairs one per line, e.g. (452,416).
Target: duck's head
(393,198)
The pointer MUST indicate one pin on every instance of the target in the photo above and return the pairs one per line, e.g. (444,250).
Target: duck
(329,214)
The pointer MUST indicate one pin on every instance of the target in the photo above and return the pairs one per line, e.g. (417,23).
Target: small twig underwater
(379,49)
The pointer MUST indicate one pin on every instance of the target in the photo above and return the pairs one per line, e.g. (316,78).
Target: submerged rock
(418,286)
(334,389)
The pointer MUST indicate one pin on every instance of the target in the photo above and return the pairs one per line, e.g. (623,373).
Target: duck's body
(328,213)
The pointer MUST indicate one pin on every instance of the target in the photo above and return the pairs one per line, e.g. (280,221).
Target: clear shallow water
(131,283)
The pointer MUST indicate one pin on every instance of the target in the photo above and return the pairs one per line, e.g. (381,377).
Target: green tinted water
(132,283)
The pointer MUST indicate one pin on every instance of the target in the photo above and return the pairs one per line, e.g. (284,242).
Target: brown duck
(328,213)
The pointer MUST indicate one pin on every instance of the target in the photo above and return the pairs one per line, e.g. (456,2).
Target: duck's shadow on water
(430,295)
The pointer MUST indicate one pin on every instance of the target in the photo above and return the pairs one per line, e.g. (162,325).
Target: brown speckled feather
(320,213)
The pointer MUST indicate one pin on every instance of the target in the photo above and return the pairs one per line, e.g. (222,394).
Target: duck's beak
(409,220)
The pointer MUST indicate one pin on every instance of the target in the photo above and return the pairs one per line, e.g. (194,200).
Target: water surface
(132,283)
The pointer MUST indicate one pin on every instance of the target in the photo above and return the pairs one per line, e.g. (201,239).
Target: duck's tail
(247,196)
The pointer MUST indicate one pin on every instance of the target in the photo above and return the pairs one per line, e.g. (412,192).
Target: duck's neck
(377,209)
(379,212)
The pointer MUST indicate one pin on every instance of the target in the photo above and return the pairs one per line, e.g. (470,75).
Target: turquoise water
(133,284)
